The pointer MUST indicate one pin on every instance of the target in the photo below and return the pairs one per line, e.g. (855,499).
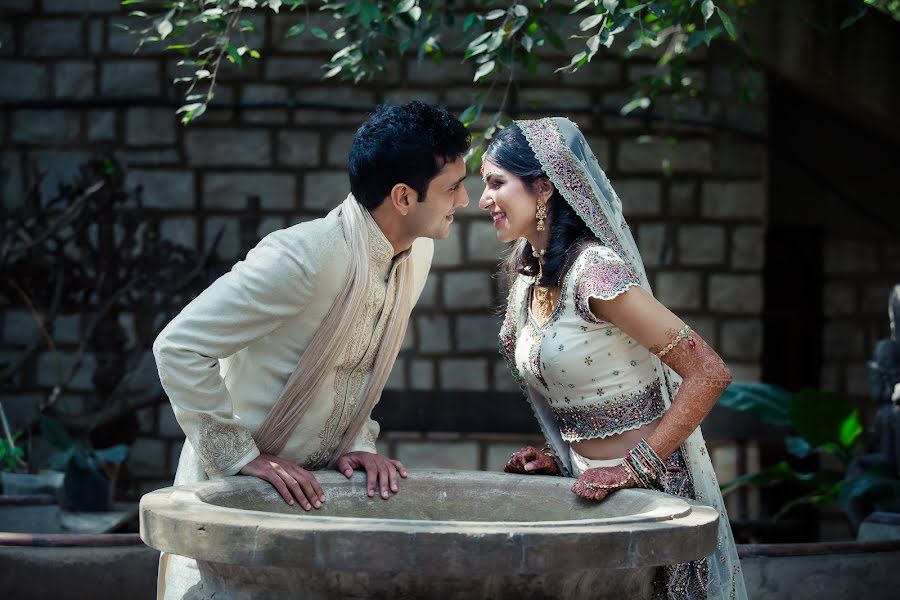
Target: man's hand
(289,479)
(380,471)
(596,484)
(530,461)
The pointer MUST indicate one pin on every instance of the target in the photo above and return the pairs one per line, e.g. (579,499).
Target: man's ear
(402,197)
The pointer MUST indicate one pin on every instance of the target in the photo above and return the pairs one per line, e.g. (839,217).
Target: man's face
(446,193)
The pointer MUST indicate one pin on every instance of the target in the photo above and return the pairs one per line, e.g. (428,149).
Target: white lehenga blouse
(597,380)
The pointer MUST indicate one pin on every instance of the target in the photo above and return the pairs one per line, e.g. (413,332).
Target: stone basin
(447,534)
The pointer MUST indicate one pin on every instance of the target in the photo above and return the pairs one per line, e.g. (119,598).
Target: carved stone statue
(884,386)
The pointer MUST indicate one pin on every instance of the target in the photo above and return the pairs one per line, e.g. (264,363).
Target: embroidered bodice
(597,380)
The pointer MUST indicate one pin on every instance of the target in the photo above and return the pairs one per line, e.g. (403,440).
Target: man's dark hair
(407,144)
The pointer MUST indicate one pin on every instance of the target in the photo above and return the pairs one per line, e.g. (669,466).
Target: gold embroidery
(221,444)
(361,350)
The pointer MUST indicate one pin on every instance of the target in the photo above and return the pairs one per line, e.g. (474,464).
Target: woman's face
(511,202)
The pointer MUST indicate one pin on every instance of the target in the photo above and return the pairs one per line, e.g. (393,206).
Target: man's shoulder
(315,240)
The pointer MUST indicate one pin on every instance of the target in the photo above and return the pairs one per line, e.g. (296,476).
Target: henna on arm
(704,376)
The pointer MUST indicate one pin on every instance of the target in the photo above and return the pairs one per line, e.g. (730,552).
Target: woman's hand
(596,484)
(529,461)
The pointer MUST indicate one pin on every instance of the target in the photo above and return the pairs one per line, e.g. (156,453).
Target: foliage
(823,424)
(79,453)
(10,454)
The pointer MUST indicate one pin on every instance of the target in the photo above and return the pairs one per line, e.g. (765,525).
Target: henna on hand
(596,484)
(704,376)
(530,461)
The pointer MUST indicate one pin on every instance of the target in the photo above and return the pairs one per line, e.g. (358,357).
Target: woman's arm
(704,374)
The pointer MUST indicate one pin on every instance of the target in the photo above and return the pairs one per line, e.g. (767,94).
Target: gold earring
(541,214)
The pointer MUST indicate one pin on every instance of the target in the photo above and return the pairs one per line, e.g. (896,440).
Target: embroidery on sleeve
(221,444)
(600,274)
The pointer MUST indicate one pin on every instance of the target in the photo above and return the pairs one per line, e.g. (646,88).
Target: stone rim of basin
(183,521)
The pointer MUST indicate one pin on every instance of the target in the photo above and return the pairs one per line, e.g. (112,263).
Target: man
(274,369)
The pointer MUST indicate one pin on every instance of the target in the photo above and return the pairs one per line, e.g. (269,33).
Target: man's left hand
(380,471)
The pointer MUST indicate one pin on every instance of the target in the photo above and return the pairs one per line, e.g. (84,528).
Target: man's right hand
(289,479)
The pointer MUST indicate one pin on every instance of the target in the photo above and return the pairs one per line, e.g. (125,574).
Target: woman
(618,382)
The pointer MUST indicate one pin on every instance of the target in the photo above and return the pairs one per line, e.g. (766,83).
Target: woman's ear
(543,187)
(402,197)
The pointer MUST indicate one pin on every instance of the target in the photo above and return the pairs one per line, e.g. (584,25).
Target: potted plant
(90,473)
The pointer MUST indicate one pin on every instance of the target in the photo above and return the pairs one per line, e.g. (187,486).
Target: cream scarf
(329,341)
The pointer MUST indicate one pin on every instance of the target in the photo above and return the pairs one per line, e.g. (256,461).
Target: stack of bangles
(645,466)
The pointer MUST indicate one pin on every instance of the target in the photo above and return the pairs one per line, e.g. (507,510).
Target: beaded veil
(573,169)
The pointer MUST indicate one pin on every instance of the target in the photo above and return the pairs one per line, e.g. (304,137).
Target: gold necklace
(541,293)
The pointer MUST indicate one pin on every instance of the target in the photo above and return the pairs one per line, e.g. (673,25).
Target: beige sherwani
(225,358)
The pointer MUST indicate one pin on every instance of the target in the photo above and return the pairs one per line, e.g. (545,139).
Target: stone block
(748,247)
(438,455)
(397,378)
(154,157)
(839,299)
(74,79)
(850,256)
(497,454)
(468,289)
(101,125)
(482,245)
(179,230)
(734,200)
(421,375)
(323,190)
(324,97)
(639,156)
(269,225)
(148,457)
(21,409)
(53,37)
(146,418)
(24,81)
(595,74)
(229,247)
(474,188)
(740,158)
(735,293)
(67,329)
(58,166)
(45,126)
(683,199)
(679,290)
(81,6)
(542,98)
(7,39)
(434,333)
(843,339)
(475,333)
(742,339)
(404,96)
(448,252)
(443,73)
(337,149)
(96,28)
(50,364)
(228,147)
(19,328)
(293,70)
(297,148)
(856,377)
(12,192)
(262,93)
(229,191)
(875,297)
(409,340)
(701,244)
(163,189)
(503,377)
(428,296)
(463,374)
(654,244)
(18,6)
(146,126)
(130,78)
(640,197)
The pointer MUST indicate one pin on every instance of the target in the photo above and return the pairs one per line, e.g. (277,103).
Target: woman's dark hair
(510,150)
(407,144)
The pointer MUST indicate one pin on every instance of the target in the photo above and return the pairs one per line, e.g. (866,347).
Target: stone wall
(697,207)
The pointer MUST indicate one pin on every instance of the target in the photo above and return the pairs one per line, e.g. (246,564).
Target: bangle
(683,334)
(645,465)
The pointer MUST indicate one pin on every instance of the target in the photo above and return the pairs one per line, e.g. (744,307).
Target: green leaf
(707,8)
(777,473)
(254,54)
(495,14)
(641,103)
(610,5)
(878,482)
(296,30)
(405,6)
(850,430)
(527,43)
(484,70)
(859,14)
(727,23)
(471,114)
(797,446)
(319,33)
(768,403)
(520,10)
(819,416)
(590,22)
(636,44)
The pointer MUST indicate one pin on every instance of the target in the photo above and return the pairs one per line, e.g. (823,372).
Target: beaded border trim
(683,334)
